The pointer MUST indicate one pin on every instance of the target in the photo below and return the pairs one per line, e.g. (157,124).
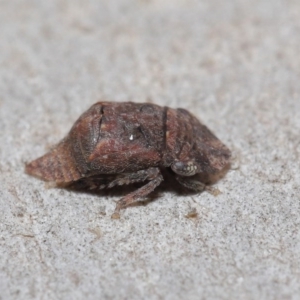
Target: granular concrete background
(234,64)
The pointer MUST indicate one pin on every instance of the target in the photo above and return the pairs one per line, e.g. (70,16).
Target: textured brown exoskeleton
(121,143)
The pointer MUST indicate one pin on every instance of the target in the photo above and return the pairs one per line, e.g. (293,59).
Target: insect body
(121,143)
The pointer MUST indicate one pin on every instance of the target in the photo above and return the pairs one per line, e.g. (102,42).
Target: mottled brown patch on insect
(58,165)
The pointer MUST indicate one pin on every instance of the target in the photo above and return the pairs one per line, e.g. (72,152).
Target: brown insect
(121,143)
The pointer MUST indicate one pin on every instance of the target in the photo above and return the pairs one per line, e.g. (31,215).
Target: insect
(122,143)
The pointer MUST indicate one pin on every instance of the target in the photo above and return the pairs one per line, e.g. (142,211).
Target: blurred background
(235,65)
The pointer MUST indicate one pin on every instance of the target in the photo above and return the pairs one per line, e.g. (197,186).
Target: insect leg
(98,183)
(155,180)
(110,181)
(139,176)
(191,183)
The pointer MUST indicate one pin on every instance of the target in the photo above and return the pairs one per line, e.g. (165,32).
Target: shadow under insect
(97,185)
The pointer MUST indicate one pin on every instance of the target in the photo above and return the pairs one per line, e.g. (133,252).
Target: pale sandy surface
(236,65)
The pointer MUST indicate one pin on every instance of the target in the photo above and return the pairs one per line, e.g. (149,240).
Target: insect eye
(188,168)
